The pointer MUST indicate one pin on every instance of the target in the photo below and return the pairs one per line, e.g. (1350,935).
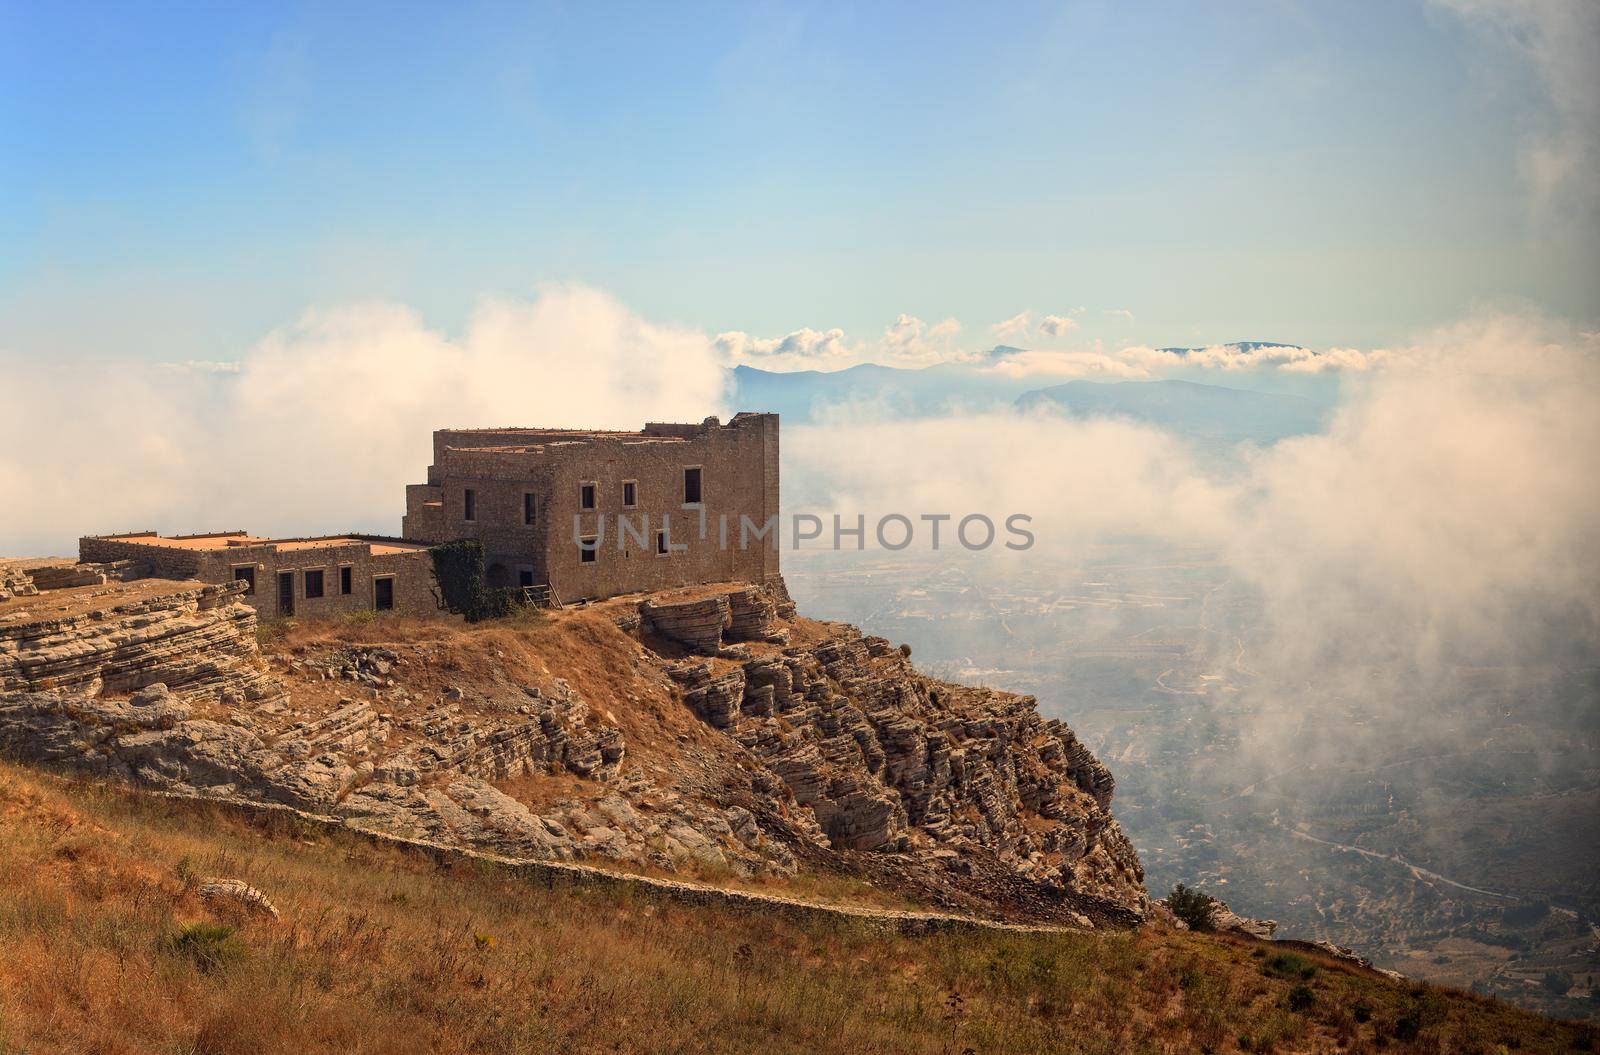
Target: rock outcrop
(697,625)
(198,640)
(890,760)
(237,896)
(752,756)
(16,580)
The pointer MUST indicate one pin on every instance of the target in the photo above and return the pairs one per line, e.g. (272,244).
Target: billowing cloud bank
(1435,543)
(1447,516)
(1451,505)
(320,426)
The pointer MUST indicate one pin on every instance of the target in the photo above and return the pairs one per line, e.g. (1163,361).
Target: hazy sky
(177,180)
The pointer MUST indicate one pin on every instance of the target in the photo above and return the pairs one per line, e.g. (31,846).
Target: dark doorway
(383,594)
(286,593)
(524,577)
(246,575)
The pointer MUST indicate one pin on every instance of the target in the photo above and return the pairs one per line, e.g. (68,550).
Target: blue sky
(178,180)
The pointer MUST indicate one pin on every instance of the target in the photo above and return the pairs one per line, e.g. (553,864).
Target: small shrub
(1525,914)
(272,631)
(1557,982)
(1301,997)
(1288,965)
(1191,906)
(1407,1026)
(1361,1012)
(458,572)
(211,946)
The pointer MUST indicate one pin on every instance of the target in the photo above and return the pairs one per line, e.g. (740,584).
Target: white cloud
(1014,328)
(201,366)
(324,422)
(804,349)
(1447,514)
(1119,313)
(1049,363)
(1560,40)
(908,341)
(911,342)
(1227,357)
(1057,325)
(1079,480)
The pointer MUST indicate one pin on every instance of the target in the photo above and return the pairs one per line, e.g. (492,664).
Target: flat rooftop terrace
(541,446)
(227,540)
(526,439)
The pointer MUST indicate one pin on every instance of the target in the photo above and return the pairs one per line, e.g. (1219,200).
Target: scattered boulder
(697,624)
(238,895)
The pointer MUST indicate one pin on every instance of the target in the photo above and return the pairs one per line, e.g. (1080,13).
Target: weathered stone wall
(739,463)
(163,563)
(412,572)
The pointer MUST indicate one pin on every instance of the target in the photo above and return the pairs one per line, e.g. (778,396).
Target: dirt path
(1417,871)
(901,921)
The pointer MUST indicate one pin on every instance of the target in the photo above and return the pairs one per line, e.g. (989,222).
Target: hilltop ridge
(627,732)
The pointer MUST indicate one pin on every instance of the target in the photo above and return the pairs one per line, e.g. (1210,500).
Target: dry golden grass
(378,950)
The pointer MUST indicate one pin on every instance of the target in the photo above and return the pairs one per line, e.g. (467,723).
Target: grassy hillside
(108,948)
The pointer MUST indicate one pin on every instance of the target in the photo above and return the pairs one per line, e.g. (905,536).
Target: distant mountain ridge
(1258,407)
(1240,346)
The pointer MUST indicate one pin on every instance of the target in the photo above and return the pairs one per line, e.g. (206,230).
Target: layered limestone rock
(697,625)
(163,684)
(751,614)
(702,624)
(832,750)
(15,580)
(28,576)
(889,760)
(198,640)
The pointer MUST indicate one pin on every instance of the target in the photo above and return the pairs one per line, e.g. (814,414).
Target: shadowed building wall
(518,490)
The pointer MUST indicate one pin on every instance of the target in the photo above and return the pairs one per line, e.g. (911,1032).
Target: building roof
(225,540)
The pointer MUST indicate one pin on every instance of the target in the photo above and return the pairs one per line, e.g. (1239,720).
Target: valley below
(1445,827)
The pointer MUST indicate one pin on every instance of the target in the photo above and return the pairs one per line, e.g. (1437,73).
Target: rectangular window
(346,586)
(661,543)
(588,549)
(383,593)
(286,593)
(313,584)
(630,493)
(691,486)
(530,507)
(586,495)
(247,575)
(524,577)
(469,504)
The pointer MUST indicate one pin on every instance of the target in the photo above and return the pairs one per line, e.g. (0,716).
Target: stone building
(594,514)
(307,577)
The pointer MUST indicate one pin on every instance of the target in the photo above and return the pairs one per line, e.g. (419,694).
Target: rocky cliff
(714,732)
